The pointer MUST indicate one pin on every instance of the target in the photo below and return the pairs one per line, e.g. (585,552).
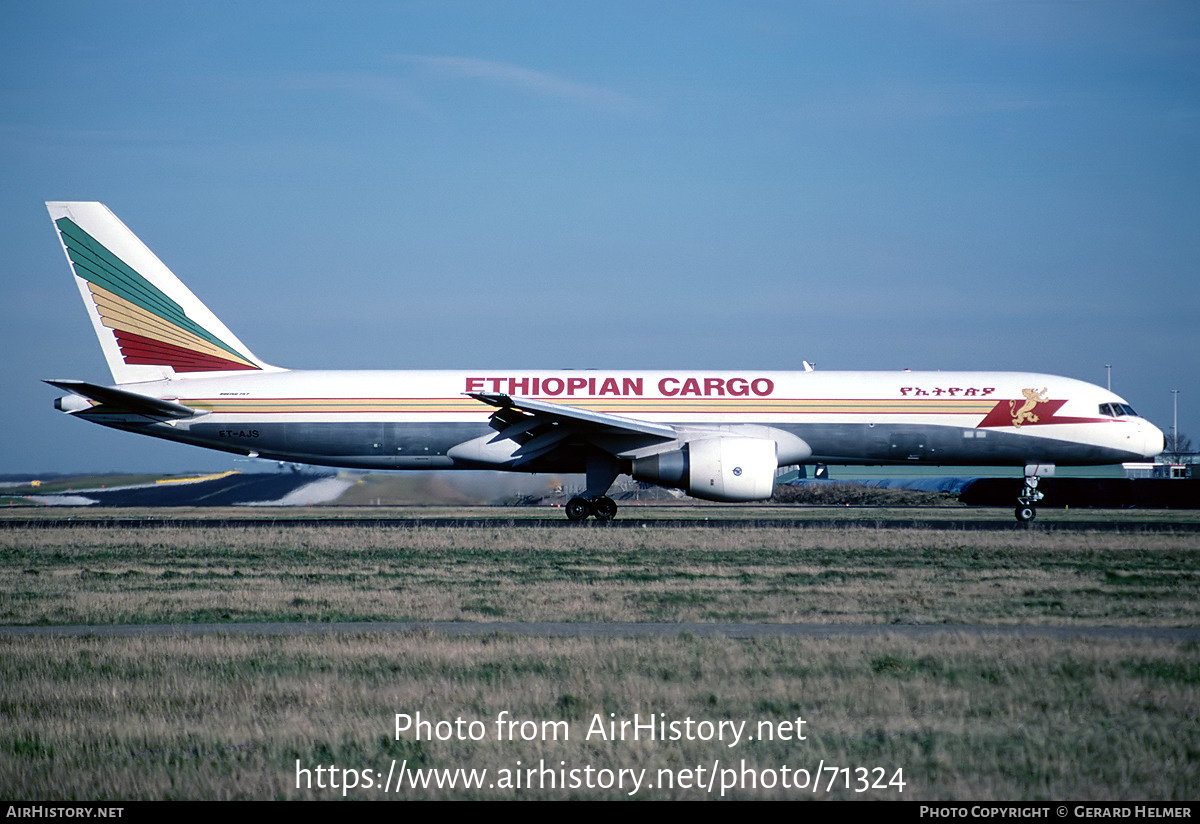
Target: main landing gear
(602,469)
(602,507)
(1026,511)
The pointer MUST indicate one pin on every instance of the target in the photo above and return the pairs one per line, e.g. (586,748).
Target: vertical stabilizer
(150,326)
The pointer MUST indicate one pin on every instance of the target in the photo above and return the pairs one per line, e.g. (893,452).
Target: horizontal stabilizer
(112,400)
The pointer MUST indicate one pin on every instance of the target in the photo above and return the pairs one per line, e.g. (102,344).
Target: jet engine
(716,469)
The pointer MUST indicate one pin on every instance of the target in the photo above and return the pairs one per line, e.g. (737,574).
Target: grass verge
(264,573)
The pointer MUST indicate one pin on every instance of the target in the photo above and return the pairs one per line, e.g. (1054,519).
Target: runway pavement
(560,522)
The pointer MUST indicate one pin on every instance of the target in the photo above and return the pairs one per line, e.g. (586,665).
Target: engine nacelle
(715,469)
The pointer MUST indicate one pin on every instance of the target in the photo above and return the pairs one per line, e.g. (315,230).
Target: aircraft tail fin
(150,326)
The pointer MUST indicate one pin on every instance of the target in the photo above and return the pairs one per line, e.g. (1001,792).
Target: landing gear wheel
(604,508)
(1030,494)
(578,509)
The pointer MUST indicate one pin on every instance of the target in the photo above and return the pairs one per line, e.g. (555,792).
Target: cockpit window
(1116,410)
(1127,409)
(1106,410)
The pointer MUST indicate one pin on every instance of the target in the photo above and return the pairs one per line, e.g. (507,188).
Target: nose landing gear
(1030,495)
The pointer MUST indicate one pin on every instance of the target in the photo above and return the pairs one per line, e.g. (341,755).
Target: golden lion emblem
(1025,413)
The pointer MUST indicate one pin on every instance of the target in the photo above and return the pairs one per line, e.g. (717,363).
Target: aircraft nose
(1154,441)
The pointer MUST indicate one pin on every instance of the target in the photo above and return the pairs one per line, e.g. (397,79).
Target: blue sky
(866,185)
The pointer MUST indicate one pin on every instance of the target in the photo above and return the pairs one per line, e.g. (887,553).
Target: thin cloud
(522,79)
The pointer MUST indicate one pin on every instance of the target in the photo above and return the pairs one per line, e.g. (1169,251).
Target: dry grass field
(161,718)
(234,716)
(272,573)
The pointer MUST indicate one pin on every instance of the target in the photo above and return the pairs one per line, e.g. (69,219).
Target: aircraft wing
(615,424)
(538,427)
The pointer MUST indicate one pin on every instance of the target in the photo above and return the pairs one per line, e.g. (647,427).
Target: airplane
(180,374)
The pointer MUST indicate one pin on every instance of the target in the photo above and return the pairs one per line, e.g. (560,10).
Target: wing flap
(540,444)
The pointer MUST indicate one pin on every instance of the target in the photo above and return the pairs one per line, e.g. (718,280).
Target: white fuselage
(415,419)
